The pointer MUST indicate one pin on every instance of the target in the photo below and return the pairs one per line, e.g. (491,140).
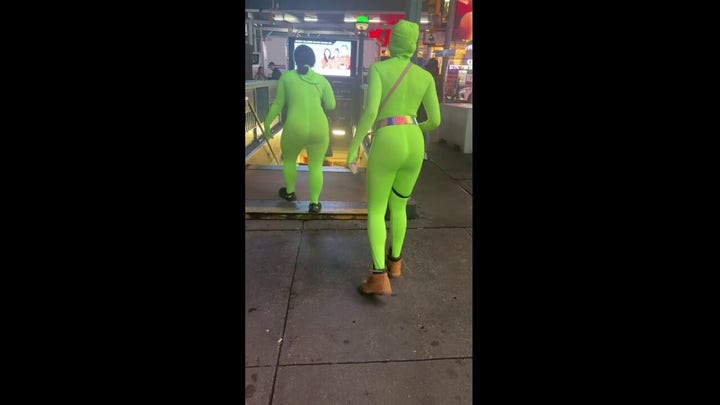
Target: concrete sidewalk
(311,338)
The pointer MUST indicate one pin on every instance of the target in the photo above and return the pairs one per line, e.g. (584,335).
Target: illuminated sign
(445,52)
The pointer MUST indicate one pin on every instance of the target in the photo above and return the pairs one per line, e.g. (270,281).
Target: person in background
(433,67)
(336,58)
(396,157)
(275,71)
(305,93)
(260,75)
(344,57)
(327,58)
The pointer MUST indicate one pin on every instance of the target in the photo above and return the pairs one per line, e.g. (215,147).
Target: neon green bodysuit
(306,125)
(396,156)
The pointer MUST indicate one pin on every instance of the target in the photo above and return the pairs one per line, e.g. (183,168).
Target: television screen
(332,57)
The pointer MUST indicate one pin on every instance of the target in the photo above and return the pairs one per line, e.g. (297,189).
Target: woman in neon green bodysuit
(397,150)
(305,93)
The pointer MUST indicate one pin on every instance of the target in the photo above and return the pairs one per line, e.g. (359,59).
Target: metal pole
(360,74)
(251,33)
(361,61)
(412,13)
(448,38)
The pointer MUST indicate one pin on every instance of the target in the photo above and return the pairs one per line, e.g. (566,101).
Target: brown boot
(394,267)
(378,284)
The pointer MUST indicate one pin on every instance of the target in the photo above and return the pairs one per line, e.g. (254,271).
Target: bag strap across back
(397,83)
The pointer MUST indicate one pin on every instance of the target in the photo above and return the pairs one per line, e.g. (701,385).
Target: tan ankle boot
(378,284)
(394,267)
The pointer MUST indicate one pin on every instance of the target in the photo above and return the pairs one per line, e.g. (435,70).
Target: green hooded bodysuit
(306,125)
(396,156)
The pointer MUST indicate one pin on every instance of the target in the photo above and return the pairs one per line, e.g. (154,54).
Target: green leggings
(397,151)
(306,125)
(395,161)
(292,142)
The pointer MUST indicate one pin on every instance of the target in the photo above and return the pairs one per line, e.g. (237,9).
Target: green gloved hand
(266,132)
(352,156)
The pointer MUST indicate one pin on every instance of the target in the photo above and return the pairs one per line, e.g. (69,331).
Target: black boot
(284,195)
(315,208)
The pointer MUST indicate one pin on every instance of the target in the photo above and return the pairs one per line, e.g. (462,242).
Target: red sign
(381,35)
(463,21)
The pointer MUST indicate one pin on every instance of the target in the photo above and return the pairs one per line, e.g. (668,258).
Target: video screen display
(332,57)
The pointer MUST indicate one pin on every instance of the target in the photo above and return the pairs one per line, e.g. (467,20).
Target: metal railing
(260,93)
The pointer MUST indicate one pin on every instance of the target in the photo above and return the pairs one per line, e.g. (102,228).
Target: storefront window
(458,82)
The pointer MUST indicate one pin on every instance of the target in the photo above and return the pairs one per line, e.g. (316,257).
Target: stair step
(282,207)
(303,168)
(279,209)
